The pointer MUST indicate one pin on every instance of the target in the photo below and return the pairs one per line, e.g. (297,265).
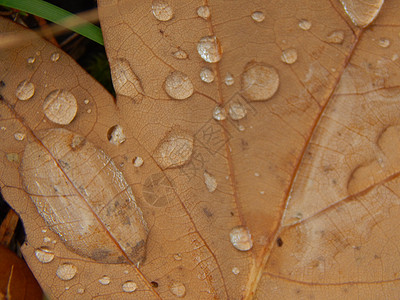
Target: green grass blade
(57,15)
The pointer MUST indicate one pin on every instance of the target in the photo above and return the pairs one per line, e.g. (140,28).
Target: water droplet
(178,86)
(126,272)
(129,286)
(178,256)
(305,24)
(46,239)
(116,135)
(241,128)
(13,157)
(257,174)
(259,82)
(229,80)
(125,81)
(219,113)
(86,101)
(80,290)
(105,280)
(44,254)
(210,181)
(162,10)
(138,162)
(31,60)
(55,56)
(25,90)
(262,192)
(89,111)
(335,37)
(203,12)
(19,136)
(258,16)
(395,57)
(44,230)
(289,56)
(235,270)
(237,111)
(174,150)
(210,49)
(241,238)
(383,42)
(66,271)
(362,13)
(180,54)
(207,75)
(178,289)
(60,107)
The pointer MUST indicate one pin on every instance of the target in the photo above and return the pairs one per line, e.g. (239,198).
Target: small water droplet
(124,80)
(383,42)
(178,256)
(25,90)
(241,238)
(241,128)
(258,16)
(229,80)
(210,49)
(80,290)
(105,280)
(13,157)
(207,75)
(178,289)
(31,60)
(237,111)
(289,56)
(86,101)
(66,271)
(203,12)
(262,192)
(60,107)
(180,54)
(235,270)
(395,57)
(55,56)
(257,174)
(335,37)
(19,136)
(138,162)
(44,254)
(46,239)
(219,113)
(67,288)
(126,272)
(305,24)
(178,86)
(162,11)
(210,181)
(44,230)
(129,286)
(259,82)
(89,111)
(116,135)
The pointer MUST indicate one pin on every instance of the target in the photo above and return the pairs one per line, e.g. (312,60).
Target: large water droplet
(162,10)
(66,271)
(60,107)
(237,111)
(362,12)
(335,37)
(180,54)
(116,135)
(210,49)
(241,238)
(178,85)
(219,113)
(25,90)
(203,12)
(229,80)
(44,254)
(125,81)
(305,24)
(210,181)
(105,280)
(207,75)
(19,136)
(383,42)
(258,16)
(129,286)
(259,82)
(178,289)
(289,56)
(54,56)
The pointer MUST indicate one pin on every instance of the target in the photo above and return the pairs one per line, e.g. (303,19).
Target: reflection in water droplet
(116,135)
(335,37)
(383,42)
(241,238)
(259,82)
(178,256)
(60,107)
(203,12)
(305,24)
(19,136)
(125,81)
(66,271)
(209,49)
(180,54)
(129,286)
(162,10)
(44,254)
(105,280)
(178,86)
(258,16)
(55,56)
(207,75)
(25,90)
(219,113)
(289,56)
(235,270)
(210,181)
(229,80)
(178,289)
(138,162)
(237,111)
(31,60)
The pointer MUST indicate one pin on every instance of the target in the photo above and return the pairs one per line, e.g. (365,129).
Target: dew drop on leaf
(13,157)
(138,162)
(54,56)
(60,107)
(105,280)
(19,136)
(125,81)
(258,16)
(80,290)
(116,135)
(129,286)
(207,75)
(259,82)
(180,54)
(178,85)
(44,254)
(289,56)
(384,42)
(66,271)
(162,11)
(241,238)
(25,90)
(235,270)
(210,181)
(229,80)
(219,113)
(178,256)
(203,12)
(178,289)
(237,111)
(31,60)
(335,37)
(209,48)
(305,24)
(361,12)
